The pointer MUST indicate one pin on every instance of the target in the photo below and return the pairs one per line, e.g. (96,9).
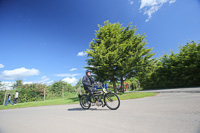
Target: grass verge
(122,96)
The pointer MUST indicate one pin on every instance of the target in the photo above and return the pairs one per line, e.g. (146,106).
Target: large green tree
(118,53)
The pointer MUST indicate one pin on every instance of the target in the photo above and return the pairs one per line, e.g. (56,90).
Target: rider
(87,82)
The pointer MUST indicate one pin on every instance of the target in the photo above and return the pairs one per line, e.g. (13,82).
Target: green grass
(133,95)
(75,100)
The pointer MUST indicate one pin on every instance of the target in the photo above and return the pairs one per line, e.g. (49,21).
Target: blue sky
(44,41)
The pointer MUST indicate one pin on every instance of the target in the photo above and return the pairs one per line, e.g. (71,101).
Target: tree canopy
(177,70)
(118,53)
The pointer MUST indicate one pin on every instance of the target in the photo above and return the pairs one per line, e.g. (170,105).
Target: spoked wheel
(84,103)
(112,101)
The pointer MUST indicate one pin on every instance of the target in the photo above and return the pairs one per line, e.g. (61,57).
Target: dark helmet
(87,71)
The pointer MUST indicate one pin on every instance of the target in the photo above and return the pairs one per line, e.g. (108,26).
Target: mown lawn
(122,96)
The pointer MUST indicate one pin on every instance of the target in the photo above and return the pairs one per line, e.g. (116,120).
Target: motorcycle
(100,98)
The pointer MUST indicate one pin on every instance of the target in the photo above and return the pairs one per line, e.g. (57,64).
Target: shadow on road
(198,128)
(76,109)
(91,109)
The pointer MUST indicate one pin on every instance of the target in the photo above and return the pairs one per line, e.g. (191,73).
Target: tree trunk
(114,86)
(122,85)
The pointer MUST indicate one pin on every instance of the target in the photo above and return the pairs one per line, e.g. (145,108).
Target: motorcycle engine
(99,103)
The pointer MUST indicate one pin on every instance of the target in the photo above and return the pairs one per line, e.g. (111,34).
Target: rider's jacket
(87,81)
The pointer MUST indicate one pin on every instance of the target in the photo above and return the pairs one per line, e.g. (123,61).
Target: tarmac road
(171,111)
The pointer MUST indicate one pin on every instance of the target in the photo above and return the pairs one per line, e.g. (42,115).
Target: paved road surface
(171,111)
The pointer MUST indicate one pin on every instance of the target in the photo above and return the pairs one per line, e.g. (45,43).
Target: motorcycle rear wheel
(84,103)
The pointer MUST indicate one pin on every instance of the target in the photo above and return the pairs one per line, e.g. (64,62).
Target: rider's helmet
(87,71)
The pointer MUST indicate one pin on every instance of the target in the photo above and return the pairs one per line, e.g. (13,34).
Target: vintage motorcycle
(100,98)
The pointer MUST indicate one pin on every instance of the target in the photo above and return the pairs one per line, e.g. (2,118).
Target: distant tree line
(176,70)
(36,91)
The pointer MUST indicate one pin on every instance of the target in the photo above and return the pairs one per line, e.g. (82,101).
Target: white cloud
(91,66)
(172,1)
(45,80)
(71,81)
(18,73)
(131,2)
(2,66)
(81,53)
(69,78)
(28,82)
(73,69)
(67,75)
(151,6)
(7,85)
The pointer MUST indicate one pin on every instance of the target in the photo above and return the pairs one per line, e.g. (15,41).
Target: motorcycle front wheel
(112,101)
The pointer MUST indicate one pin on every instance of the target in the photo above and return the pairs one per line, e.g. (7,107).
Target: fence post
(44,93)
(62,92)
(78,90)
(4,98)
